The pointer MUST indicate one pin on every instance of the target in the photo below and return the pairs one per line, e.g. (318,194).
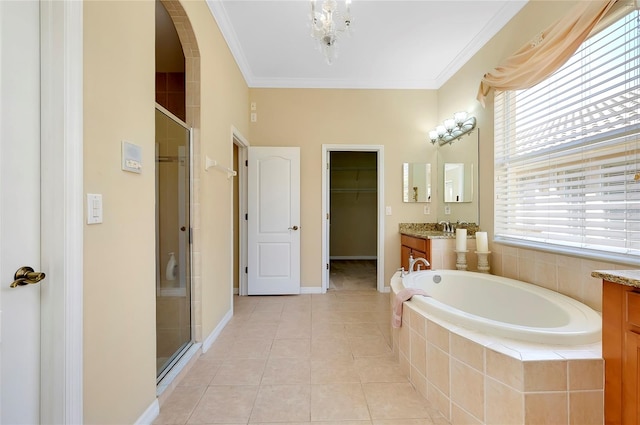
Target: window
(567,152)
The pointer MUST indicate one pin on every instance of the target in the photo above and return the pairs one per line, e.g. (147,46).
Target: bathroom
(399,120)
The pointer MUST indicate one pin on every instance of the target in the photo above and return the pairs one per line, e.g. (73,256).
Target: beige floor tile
(379,369)
(355,330)
(282,403)
(259,330)
(330,348)
(333,371)
(369,346)
(337,402)
(202,372)
(291,348)
(287,371)
(395,401)
(180,405)
(328,330)
(250,349)
(225,404)
(239,372)
(294,328)
(424,421)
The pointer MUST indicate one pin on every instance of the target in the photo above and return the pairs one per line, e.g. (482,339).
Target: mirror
(458,182)
(462,151)
(416,182)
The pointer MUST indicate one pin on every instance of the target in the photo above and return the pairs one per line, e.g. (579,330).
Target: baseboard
(386,290)
(208,342)
(236,291)
(310,290)
(150,414)
(353,257)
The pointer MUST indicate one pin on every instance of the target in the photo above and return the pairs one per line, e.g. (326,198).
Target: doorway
(353,219)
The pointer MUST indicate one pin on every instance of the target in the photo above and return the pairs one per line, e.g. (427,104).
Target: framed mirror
(458,182)
(416,182)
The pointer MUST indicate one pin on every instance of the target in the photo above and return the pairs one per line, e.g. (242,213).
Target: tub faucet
(413,261)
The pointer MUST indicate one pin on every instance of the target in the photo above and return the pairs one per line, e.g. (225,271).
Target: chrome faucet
(413,261)
(446,226)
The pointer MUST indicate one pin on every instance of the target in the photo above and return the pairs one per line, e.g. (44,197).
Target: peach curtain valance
(547,52)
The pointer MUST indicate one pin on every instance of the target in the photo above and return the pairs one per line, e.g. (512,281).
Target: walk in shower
(173,240)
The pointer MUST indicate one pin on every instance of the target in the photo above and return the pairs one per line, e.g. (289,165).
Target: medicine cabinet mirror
(416,182)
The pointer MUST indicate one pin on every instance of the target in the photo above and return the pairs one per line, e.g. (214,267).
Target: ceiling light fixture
(327,24)
(453,129)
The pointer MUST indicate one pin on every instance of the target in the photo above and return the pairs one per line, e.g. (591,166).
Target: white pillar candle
(482,244)
(461,239)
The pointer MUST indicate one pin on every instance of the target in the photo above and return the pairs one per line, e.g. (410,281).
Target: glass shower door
(173,253)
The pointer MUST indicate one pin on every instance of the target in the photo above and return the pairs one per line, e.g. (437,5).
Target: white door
(19,210)
(274,220)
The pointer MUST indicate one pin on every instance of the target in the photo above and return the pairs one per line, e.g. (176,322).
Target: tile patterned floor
(301,360)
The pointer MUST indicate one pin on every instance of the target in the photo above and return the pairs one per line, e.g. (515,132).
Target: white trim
(62,186)
(379,149)
(311,290)
(208,342)
(177,368)
(236,291)
(150,414)
(243,144)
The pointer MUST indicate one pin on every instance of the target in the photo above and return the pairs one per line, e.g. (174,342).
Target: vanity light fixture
(452,129)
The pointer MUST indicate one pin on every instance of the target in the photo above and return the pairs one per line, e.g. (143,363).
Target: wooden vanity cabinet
(418,247)
(620,349)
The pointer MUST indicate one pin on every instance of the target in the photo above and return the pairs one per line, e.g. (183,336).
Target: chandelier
(327,24)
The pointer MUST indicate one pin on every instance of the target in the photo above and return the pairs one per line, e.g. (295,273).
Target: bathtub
(505,307)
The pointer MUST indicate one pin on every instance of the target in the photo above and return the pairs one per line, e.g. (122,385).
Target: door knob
(293,228)
(26,275)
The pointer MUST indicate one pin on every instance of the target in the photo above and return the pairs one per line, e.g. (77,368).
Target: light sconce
(452,129)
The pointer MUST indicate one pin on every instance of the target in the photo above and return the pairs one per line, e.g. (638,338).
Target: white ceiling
(395,44)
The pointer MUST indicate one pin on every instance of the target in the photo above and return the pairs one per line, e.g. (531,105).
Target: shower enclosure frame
(183,256)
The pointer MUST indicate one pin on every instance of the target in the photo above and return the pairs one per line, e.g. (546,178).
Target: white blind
(567,151)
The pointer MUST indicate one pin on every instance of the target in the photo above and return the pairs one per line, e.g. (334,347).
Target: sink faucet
(413,261)
(446,226)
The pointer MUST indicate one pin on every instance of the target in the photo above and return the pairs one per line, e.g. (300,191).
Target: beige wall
(119,254)
(397,119)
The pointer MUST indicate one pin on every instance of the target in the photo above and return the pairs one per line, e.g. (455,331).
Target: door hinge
(327,216)
(246,216)
(327,266)
(246,270)
(246,162)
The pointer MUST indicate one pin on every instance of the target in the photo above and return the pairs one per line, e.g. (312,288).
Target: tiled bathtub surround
(479,379)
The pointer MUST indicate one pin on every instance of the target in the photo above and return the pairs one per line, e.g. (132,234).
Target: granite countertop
(623,277)
(434,230)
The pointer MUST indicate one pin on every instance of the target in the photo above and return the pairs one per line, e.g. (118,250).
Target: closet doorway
(353,221)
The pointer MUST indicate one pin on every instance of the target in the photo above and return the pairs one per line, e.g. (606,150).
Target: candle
(461,239)
(482,245)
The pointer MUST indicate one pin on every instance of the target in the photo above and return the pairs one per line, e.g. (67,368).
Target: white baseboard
(386,290)
(208,342)
(311,290)
(150,414)
(236,291)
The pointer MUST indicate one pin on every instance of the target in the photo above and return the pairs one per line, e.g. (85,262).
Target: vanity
(429,241)
(621,344)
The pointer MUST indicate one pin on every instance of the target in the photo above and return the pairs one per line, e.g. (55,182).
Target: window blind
(567,151)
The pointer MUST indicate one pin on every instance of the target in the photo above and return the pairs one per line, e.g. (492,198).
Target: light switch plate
(94,208)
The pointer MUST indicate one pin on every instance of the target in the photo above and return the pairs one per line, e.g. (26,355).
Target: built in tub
(505,307)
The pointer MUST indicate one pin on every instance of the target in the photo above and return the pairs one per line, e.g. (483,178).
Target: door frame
(243,154)
(326,150)
(62,192)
